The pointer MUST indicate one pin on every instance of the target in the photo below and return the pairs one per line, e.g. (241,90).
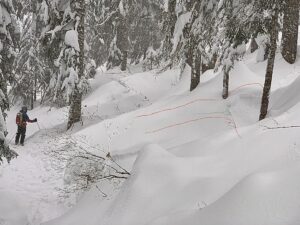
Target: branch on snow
(282,127)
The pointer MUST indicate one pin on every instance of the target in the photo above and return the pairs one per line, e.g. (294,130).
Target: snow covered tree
(200,49)
(78,70)
(170,18)
(9,34)
(5,151)
(62,47)
(117,16)
(242,21)
(145,42)
(122,29)
(97,38)
(9,37)
(189,40)
(290,30)
(232,35)
(29,67)
(274,8)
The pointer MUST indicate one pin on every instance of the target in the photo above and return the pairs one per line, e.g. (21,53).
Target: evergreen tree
(29,68)
(145,42)
(122,28)
(275,8)
(5,151)
(170,18)
(60,49)
(232,37)
(118,17)
(201,56)
(9,34)
(75,107)
(191,37)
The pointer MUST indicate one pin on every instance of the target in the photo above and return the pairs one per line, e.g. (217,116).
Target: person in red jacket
(21,120)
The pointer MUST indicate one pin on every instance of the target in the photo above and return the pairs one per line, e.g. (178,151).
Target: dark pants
(21,133)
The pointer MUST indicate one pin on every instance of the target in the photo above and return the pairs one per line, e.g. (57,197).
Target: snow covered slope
(201,160)
(194,157)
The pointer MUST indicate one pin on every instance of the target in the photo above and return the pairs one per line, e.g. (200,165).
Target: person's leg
(18,135)
(23,134)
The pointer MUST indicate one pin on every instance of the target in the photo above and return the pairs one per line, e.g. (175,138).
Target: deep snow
(194,157)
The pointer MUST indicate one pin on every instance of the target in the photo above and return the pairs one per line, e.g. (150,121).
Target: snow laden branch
(86,166)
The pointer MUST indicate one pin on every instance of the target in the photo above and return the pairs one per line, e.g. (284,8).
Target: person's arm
(29,120)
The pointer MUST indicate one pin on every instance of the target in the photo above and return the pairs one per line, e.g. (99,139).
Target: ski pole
(38,125)
(11,139)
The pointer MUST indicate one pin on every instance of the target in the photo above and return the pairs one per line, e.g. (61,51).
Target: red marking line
(197,100)
(180,106)
(190,121)
(245,85)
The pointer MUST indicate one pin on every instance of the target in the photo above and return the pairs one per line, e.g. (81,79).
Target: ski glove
(35,120)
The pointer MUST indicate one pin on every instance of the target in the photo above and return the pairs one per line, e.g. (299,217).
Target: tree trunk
(270,67)
(290,30)
(75,107)
(32,101)
(122,41)
(225,83)
(35,87)
(196,69)
(124,61)
(172,17)
(4,102)
(169,28)
(267,51)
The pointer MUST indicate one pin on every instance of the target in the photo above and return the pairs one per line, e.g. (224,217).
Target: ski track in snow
(37,176)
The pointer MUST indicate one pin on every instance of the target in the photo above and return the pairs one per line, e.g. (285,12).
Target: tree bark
(124,61)
(290,30)
(122,41)
(76,99)
(169,28)
(225,83)
(270,68)
(196,69)
(32,101)
(75,108)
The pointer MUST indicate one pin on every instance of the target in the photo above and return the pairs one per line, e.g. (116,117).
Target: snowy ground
(194,158)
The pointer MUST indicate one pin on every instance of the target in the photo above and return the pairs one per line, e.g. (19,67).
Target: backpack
(19,119)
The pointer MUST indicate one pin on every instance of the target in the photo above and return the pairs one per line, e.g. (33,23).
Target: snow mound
(269,197)
(285,98)
(160,183)
(11,213)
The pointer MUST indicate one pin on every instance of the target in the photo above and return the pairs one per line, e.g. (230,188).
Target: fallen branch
(103,194)
(125,171)
(283,127)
